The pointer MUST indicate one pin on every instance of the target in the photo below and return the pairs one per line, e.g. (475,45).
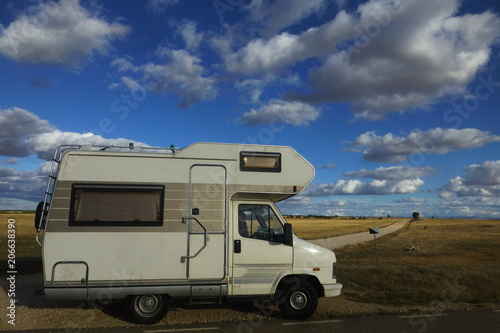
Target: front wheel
(147,309)
(298,301)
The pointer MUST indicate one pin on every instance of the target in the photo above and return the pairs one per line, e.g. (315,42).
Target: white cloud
(12,160)
(374,187)
(62,33)
(113,85)
(470,207)
(45,144)
(16,123)
(179,72)
(304,205)
(393,173)
(481,180)
(273,16)
(418,201)
(408,59)
(183,75)
(192,38)
(261,56)
(255,87)
(312,201)
(131,84)
(23,133)
(293,113)
(16,127)
(385,181)
(487,173)
(385,57)
(22,185)
(123,64)
(393,148)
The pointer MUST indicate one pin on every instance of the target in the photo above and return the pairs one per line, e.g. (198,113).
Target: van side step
(206,300)
(206,294)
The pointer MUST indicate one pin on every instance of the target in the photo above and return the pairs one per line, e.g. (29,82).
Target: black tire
(147,309)
(298,300)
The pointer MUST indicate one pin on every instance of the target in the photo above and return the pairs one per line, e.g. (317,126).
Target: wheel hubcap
(148,305)
(298,300)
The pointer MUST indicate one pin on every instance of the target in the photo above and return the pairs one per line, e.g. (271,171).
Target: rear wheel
(147,309)
(298,301)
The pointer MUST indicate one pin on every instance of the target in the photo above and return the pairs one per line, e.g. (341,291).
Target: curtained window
(107,205)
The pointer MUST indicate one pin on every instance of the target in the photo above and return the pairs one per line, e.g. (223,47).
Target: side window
(116,205)
(259,222)
(260,161)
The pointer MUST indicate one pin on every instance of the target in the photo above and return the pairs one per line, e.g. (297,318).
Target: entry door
(259,255)
(206,223)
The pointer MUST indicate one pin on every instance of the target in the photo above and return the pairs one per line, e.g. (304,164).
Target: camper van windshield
(101,205)
(259,222)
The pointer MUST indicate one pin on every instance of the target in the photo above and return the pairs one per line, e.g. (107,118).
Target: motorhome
(152,225)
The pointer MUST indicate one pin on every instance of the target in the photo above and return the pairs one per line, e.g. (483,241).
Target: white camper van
(151,225)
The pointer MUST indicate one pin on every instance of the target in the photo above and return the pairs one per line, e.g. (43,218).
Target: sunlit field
(310,228)
(28,252)
(427,262)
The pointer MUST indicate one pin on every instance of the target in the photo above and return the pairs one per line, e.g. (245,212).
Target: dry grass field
(308,228)
(427,262)
(28,252)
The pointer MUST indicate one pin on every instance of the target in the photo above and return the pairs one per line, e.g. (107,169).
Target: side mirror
(288,233)
(40,225)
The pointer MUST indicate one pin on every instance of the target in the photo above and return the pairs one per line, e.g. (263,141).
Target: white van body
(197,223)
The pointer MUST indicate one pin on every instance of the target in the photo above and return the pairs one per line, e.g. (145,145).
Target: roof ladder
(51,184)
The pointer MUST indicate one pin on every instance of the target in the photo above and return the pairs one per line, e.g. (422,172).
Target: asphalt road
(456,322)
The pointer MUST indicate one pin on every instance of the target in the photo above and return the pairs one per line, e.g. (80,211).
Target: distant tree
(415,215)
(388,215)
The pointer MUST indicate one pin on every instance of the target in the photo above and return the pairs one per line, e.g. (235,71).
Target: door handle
(237,246)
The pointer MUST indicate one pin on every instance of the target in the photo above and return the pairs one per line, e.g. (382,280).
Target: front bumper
(332,290)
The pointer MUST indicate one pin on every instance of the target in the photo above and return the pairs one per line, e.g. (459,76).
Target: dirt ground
(33,311)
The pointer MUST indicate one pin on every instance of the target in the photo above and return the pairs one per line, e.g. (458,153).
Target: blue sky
(396,103)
